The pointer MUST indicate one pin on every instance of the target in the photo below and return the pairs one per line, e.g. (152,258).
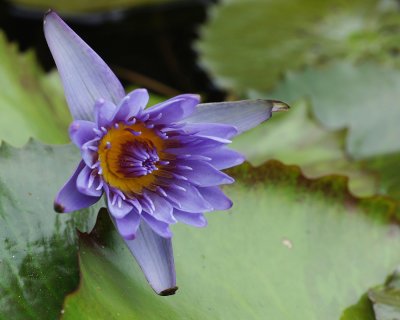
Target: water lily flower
(156,166)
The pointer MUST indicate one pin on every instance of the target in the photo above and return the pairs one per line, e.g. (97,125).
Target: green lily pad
(362,98)
(362,310)
(386,170)
(295,138)
(250,44)
(291,248)
(38,247)
(32,103)
(386,299)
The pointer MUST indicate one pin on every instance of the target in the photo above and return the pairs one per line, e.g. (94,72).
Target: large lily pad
(363,98)
(386,169)
(362,310)
(250,44)
(386,298)
(39,262)
(291,248)
(297,138)
(32,103)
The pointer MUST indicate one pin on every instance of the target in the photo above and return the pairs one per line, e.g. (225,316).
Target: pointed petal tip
(49,11)
(58,207)
(85,76)
(155,256)
(49,14)
(229,204)
(278,106)
(168,292)
(197,97)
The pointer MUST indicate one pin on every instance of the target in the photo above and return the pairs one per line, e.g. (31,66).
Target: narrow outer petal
(215,197)
(155,257)
(118,207)
(103,112)
(88,184)
(81,131)
(219,130)
(69,198)
(244,115)
(174,109)
(132,105)
(85,76)
(223,158)
(128,225)
(159,227)
(190,200)
(204,174)
(193,219)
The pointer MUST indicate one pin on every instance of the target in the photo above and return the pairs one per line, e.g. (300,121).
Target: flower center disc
(129,156)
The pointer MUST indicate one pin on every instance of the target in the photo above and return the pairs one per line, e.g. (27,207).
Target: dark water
(154,42)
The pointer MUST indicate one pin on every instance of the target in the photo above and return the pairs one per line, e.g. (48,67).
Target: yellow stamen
(111,148)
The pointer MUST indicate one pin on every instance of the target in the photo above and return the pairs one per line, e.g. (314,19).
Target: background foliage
(314,233)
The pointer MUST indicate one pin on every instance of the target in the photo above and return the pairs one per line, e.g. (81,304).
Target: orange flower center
(130,157)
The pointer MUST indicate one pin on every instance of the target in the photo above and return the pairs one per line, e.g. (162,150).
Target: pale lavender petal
(174,109)
(85,76)
(132,105)
(128,225)
(216,198)
(161,228)
(87,183)
(188,198)
(162,209)
(193,219)
(197,145)
(69,198)
(211,129)
(155,257)
(195,140)
(243,115)
(89,153)
(203,174)
(81,131)
(117,206)
(103,112)
(223,158)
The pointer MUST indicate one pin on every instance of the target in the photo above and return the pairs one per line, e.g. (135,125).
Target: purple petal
(197,145)
(204,174)
(161,228)
(223,158)
(211,129)
(243,115)
(189,200)
(69,198)
(174,109)
(128,225)
(81,131)
(193,219)
(117,206)
(162,209)
(155,257)
(89,155)
(104,112)
(85,76)
(132,105)
(215,197)
(87,183)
